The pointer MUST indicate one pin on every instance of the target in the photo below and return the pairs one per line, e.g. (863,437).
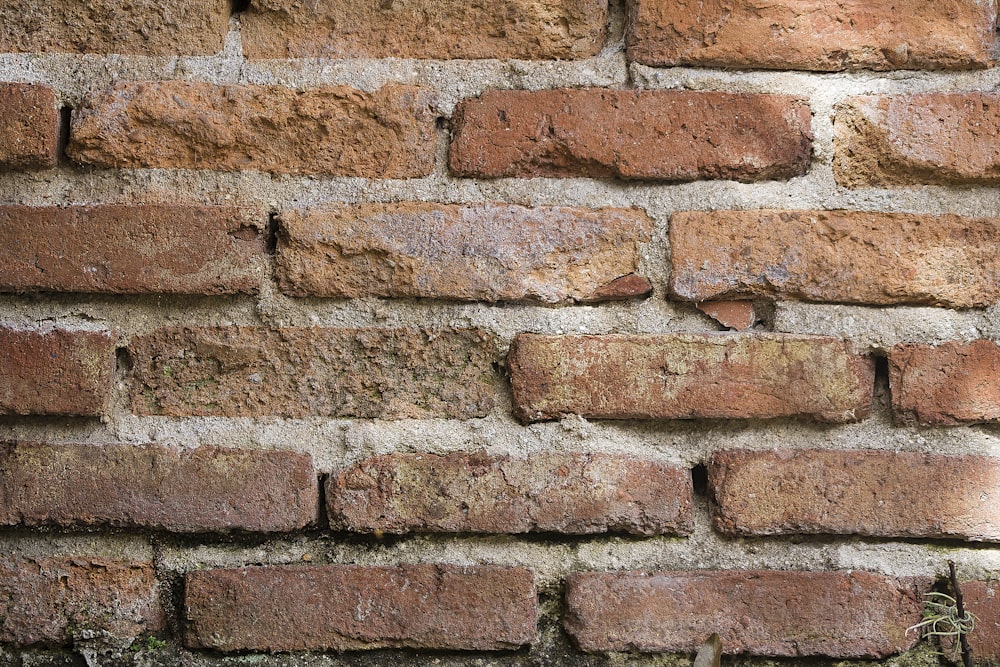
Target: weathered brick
(122,249)
(739,315)
(156,486)
(334,130)
(443,29)
(982,598)
(29,125)
(59,372)
(681,376)
(461,492)
(877,493)
(139,27)
(758,612)
(601,133)
(839,256)
(813,34)
(482,252)
(349,607)
(297,372)
(52,601)
(952,383)
(935,138)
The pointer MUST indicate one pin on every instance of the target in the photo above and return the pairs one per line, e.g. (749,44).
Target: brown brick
(125,249)
(600,133)
(293,372)
(336,130)
(443,29)
(982,598)
(813,34)
(350,607)
(837,256)
(479,493)
(59,372)
(156,486)
(52,601)
(758,612)
(682,376)
(953,383)
(877,493)
(935,138)
(739,315)
(29,125)
(480,252)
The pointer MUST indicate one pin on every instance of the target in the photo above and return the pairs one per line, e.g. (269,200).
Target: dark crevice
(65,119)
(271,240)
(123,361)
(441,123)
(323,521)
(238,7)
(699,480)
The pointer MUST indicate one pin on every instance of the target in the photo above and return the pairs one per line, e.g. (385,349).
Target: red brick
(124,249)
(836,256)
(602,133)
(442,29)
(480,252)
(337,131)
(29,125)
(683,376)
(982,598)
(935,138)
(298,372)
(59,372)
(156,486)
(813,34)
(62,599)
(953,383)
(788,614)
(479,493)
(877,493)
(350,607)
(739,315)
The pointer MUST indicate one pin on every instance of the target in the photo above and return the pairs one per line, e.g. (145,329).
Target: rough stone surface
(682,376)
(739,315)
(813,34)
(297,372)
(640,134)
(483,252)
(346,607)
(442,29)
(461,492)
(982,598)
(336,130)
(836,256)
(156,486)
(789,614)
(29,125)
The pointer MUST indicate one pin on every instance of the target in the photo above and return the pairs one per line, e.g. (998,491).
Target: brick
(350,607)
(62,599)
(125,249)
(771,613)
(479,493)
(479,252)
(156,486)
(442,29)
(836,256)
(58,372)
(739,315)
(982,598)
(875,493)
(952,383)
(29,125)
(813,35)
(336,130)
(632,134)
(685,376)
(933,138)
(297,372)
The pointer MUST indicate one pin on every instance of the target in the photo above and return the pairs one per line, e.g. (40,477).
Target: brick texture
(336,130)
(666,135)
(156,486)
(982,598)
(297,372)
(526,29)
(349,607)
(838,256)
(58,372)
(483,252)
(788,614)
(479,493)
(29,125)
(680,376)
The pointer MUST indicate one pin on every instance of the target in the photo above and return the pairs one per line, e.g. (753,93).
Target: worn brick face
(640,134)
(29,125)
(348,607)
